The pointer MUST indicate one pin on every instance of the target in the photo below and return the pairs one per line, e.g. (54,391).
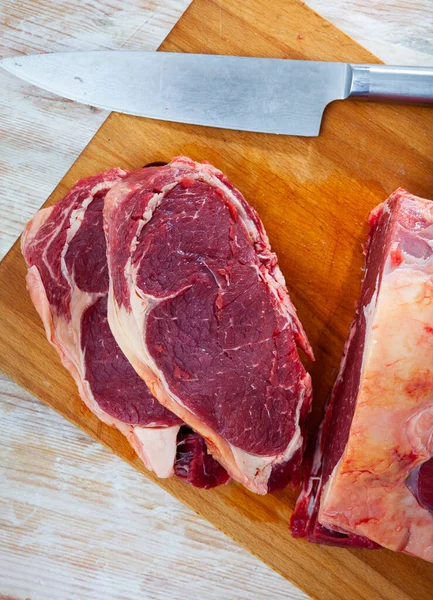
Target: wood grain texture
(39,137)
(398,31)
(93,528)
(26,489)
(321,191)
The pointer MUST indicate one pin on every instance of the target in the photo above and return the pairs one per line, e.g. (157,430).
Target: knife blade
(251,94)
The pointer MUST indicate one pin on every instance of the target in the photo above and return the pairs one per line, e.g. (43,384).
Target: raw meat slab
(65,251)
(200,307)
(370,475)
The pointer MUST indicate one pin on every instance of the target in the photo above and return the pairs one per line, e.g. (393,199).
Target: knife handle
(404,84)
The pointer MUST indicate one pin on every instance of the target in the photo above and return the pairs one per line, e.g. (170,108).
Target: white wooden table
(76,523)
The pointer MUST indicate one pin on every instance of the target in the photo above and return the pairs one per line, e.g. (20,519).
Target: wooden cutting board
(314,196)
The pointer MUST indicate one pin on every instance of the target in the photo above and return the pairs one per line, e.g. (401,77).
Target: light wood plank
(41,134)
(77,522)
(399,32)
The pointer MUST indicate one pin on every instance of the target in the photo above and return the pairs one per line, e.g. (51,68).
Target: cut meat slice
(64,248)
(193,462)
(370,479)
(198,304)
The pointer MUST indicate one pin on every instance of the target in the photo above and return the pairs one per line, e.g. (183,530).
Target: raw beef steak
(64,248)
(371,479)
(198,304)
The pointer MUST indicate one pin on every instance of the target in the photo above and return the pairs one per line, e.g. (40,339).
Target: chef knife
(251,94)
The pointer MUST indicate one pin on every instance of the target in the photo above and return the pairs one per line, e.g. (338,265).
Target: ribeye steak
(64,248)
(199,305)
